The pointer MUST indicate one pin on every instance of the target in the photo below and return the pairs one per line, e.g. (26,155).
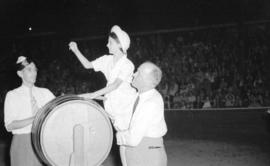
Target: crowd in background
(202,68)
(211,67)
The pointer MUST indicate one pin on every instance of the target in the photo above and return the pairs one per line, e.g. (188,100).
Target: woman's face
(113,46)
(29,74)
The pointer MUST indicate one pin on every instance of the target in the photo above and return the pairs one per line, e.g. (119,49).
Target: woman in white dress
(118,70)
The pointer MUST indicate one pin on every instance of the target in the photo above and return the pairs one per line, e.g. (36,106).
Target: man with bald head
(144,138)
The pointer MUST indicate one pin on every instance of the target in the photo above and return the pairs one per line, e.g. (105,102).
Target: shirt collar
(120,61)
(24,87)
(146,94)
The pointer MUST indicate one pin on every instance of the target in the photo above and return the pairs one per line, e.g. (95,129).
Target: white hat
(22,62)
(122,36)
(20,59)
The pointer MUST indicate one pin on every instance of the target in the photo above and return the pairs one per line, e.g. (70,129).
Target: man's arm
(17,124)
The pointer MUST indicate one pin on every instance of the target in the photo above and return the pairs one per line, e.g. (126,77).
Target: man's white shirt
(18,105)
(147,121)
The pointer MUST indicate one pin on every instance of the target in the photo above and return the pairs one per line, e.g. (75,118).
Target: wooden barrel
(72,131)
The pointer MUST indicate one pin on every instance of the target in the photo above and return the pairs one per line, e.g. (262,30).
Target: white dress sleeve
(101,63)
(126,71)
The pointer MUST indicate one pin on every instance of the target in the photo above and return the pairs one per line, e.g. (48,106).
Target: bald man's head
(153,73)
(147,76)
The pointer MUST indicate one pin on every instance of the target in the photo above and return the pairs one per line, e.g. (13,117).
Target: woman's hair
(114,36)
(22,63)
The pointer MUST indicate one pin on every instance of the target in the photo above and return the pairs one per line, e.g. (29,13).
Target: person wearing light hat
(20,107)
(118,70)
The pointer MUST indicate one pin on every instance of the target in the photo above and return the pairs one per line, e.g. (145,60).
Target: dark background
(95,17)
(92,18)
(81,18)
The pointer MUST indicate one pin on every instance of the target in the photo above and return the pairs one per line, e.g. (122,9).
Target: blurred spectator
(207,103)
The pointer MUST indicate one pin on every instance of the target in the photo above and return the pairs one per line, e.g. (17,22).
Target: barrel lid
(70,131)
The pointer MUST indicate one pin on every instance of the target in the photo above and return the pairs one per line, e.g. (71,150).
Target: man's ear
(19,73)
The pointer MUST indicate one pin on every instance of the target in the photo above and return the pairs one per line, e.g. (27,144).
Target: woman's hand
(92,96)
(100,98)
(73,46)
(87,95)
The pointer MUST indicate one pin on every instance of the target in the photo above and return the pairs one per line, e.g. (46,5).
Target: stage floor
(199,153)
